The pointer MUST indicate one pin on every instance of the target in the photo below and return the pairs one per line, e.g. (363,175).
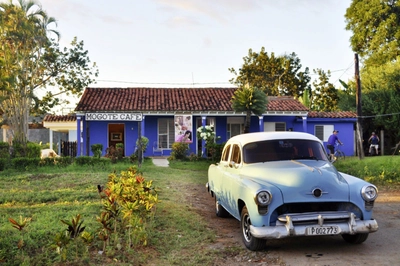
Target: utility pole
(359,139)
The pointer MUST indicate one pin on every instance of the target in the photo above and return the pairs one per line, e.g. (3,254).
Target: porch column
(261,123)
(4,134)
(203,142)
(78,136)
(304,123)
(143,134)
(59,143)
(51,138)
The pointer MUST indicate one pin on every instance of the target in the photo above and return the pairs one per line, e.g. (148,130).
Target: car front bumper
(296,225)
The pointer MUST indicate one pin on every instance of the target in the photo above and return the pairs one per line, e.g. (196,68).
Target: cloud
(221,11)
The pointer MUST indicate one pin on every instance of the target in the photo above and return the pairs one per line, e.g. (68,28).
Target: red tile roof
(172,100)
(60,118)
(340,114)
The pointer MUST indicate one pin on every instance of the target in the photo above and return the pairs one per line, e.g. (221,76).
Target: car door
(231,180)
(218,184)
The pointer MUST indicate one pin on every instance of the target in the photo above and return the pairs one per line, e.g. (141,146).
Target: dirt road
(381,248)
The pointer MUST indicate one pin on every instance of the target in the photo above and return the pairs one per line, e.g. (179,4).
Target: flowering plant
(206,133)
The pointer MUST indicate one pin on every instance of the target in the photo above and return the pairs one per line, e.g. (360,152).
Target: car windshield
(287,149)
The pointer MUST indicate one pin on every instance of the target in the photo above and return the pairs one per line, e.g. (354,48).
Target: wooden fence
(68,148)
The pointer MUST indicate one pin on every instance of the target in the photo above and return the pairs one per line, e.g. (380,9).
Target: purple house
(164,115)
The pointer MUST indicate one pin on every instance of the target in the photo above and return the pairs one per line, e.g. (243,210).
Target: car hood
(298,179)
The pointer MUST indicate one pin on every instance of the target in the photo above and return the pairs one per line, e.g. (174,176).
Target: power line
(373,116)
(163,83)
(202,83)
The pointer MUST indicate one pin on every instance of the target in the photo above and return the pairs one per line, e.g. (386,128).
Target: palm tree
(23,35)
(250,100)
(306,99)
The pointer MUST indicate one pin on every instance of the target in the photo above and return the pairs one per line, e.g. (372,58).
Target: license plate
(322,230)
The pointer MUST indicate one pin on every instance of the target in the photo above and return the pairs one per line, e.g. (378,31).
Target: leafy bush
(215,151)
(120,150)
(4,150)
(143,145)
(128,205)
(179,150)
(83,160)
(97,150)
(24,164)
(87,160)
(31,150)
(3,163)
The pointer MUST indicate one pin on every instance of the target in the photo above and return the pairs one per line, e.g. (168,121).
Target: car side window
(236,157)
(225,155)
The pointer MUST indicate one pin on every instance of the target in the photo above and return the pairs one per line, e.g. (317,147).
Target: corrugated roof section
(60,118)
(340,114)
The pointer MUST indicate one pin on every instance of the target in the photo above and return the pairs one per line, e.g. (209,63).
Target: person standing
(374,140)
(331,144)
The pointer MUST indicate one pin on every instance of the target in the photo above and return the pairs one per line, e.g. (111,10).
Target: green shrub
(87,160)
(4,150)
(3,163)
(129,205)
(64,161)
(83,160)
(97,150)
(144,142)
(214,150)
(31,150)
(179,150)
(120,150)
(23,163)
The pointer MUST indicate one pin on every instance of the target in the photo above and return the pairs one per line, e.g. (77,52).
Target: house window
(166,133)
(235,126)
(324,131)
(274,126)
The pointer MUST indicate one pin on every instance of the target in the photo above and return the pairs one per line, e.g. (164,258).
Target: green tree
(375,25)
(275,75)
(381,100)
(30,58)
(347,96)
(250,100)
(325,96)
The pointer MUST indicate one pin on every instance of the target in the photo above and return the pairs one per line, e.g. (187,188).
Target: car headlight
(263,198)
(369,193)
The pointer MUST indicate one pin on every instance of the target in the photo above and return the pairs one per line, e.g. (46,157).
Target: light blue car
(281,184)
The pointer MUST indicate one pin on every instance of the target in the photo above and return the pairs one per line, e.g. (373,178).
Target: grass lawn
(176,236)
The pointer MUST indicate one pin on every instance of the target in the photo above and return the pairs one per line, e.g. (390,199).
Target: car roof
(261,136)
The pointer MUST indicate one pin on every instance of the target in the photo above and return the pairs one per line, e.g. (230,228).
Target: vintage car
(281,184)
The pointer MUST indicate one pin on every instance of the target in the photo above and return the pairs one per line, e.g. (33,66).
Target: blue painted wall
(98,132)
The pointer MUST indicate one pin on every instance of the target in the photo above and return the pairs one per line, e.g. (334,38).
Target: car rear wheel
(249,241)
(355,239)
(219,210)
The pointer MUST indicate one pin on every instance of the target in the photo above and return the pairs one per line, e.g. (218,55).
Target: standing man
(331,144)
(374,140)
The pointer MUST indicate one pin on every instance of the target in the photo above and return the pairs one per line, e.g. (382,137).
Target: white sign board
(114,117)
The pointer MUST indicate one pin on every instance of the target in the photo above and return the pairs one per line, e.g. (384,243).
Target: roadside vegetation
(62,216)
(55,215)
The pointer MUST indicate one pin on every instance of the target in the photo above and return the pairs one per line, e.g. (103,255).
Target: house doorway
(116,135)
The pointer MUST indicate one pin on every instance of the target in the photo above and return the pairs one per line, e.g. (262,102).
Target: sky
(193,43)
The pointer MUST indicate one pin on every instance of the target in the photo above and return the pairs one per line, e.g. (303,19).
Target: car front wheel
(355,239)
(249,241)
